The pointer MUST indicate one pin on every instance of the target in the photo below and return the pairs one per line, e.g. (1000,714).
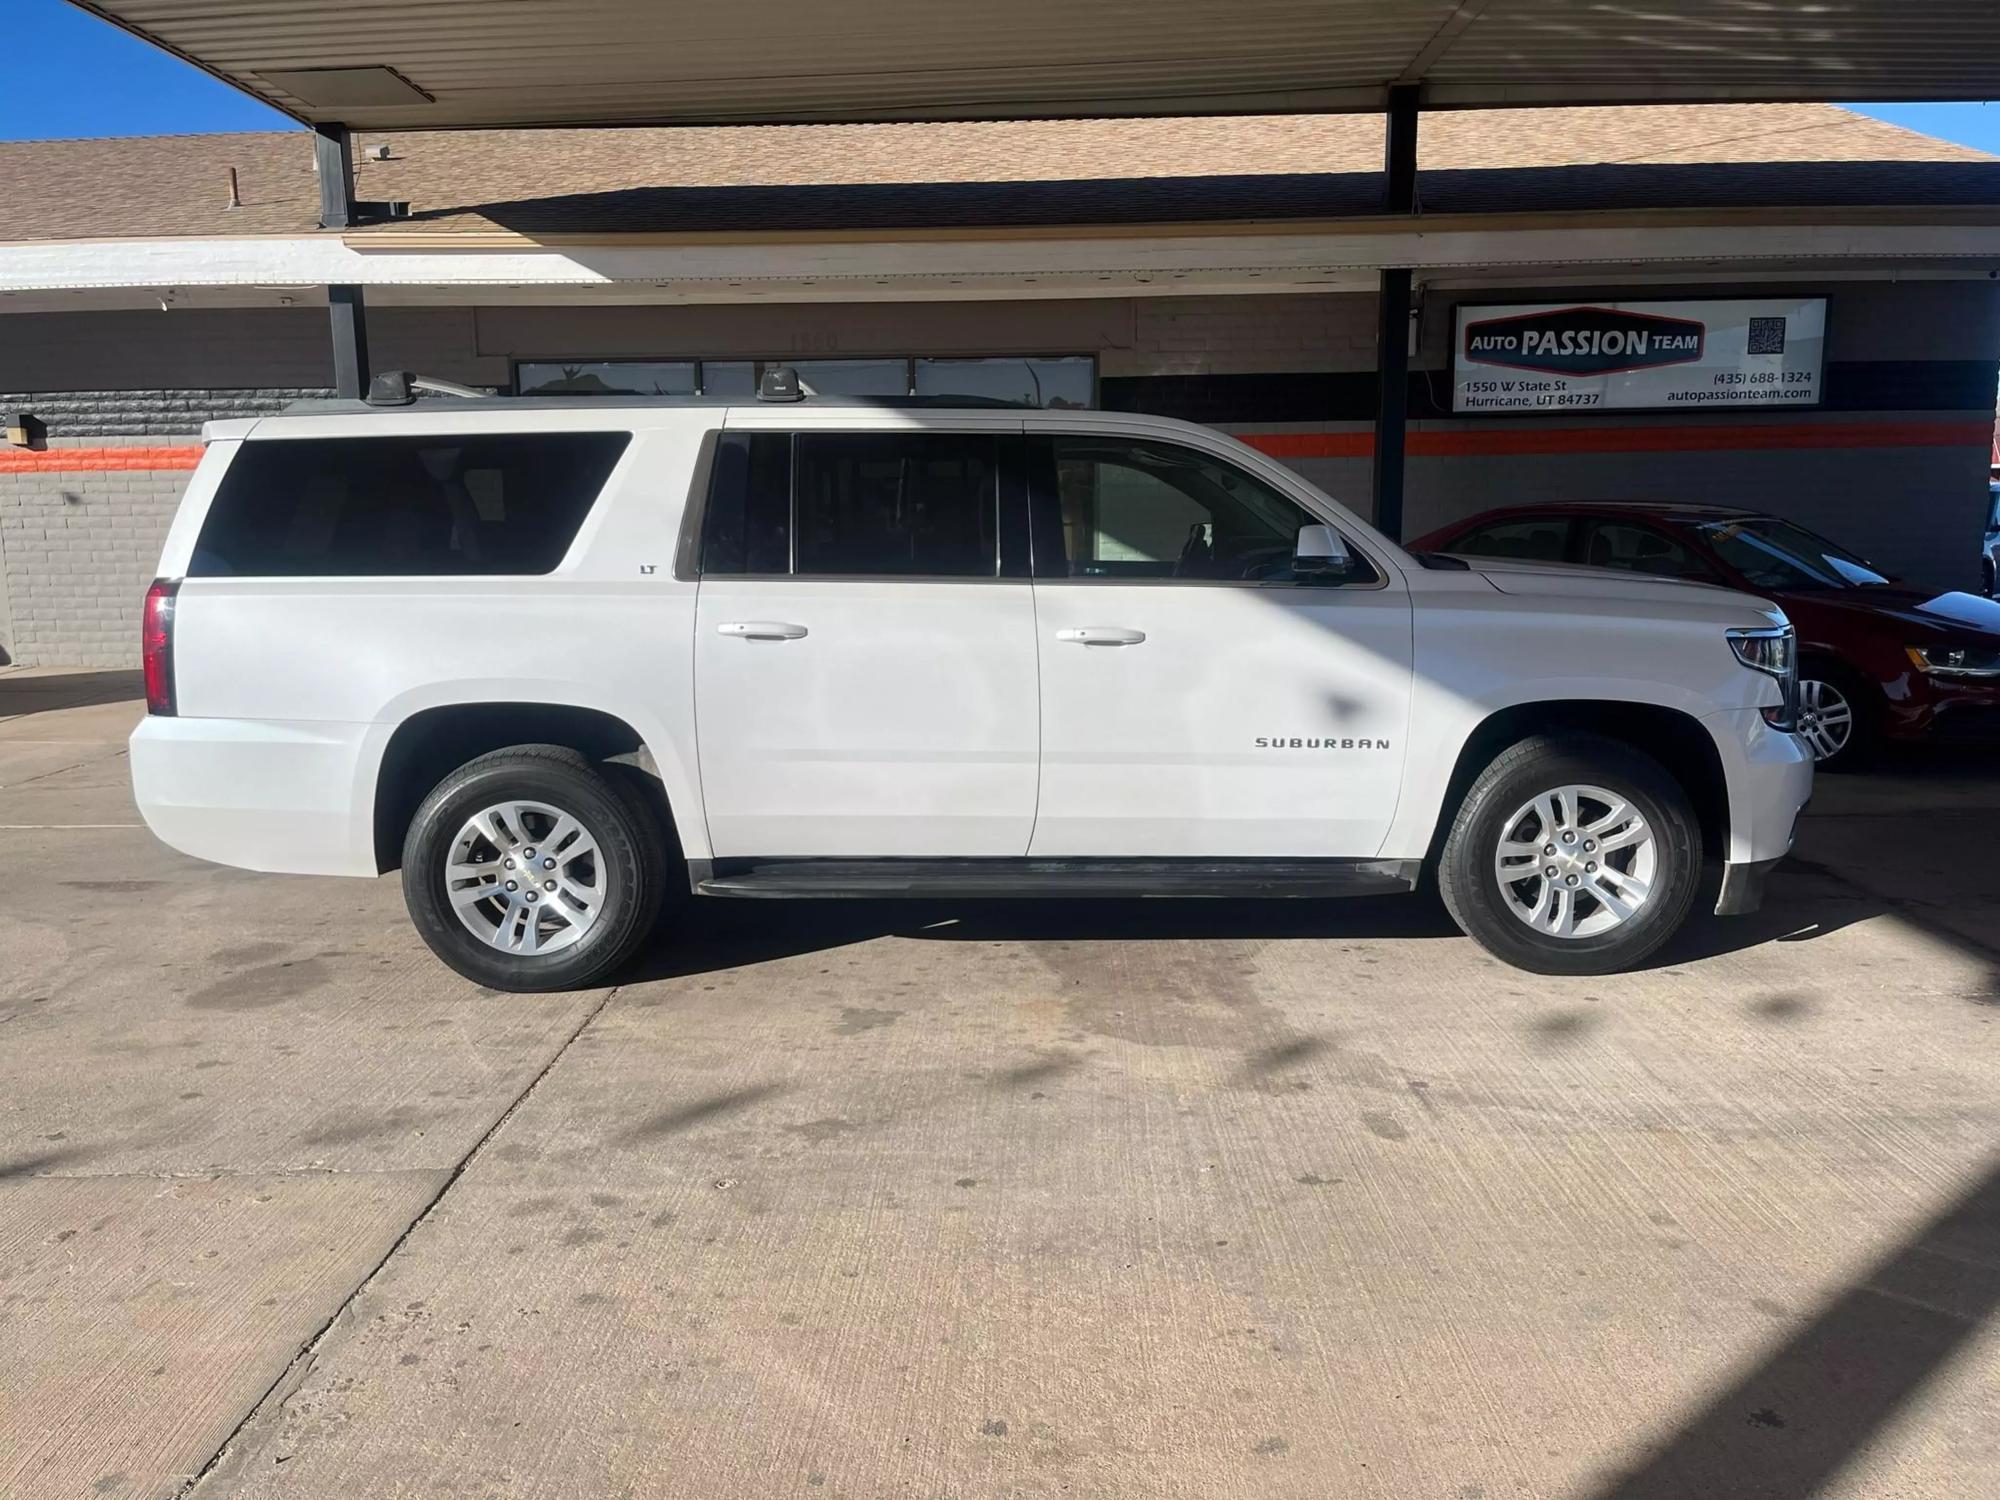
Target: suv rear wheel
(1576,855)
(525,870)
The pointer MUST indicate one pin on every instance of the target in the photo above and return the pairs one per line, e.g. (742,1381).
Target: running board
(806,878)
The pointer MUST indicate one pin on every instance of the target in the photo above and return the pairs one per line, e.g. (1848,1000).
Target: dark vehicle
(1878,658)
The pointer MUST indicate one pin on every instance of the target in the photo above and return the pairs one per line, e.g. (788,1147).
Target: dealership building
(1781,306)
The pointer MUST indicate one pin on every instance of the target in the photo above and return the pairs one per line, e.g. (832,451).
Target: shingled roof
(1051,171)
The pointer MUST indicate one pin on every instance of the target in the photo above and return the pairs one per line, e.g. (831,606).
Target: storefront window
(1062,383)
(729,377)
(612,377)
(853,377)
(1059,381)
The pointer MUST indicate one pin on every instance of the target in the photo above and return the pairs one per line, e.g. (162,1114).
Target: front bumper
(1769,777)
(1743,886)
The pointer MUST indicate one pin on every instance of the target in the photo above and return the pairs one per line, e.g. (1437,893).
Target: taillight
(156,646)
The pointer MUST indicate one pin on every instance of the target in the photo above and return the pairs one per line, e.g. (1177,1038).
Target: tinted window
(1540,539)
(924,503)
(748,527)
(1638,549)
(1155,510)
(833,504)
(369,506)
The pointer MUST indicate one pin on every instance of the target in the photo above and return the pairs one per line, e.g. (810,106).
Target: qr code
(1767,336)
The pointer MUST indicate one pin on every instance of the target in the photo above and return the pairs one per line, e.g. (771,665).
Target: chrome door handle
(761,630)
(1102,635)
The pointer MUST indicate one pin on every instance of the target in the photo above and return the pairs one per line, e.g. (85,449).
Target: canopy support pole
(333,153)
(1392,332)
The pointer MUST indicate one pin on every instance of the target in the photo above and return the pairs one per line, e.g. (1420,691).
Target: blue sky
(88,78)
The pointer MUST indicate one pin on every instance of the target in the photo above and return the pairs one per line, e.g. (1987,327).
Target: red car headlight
(1955,661)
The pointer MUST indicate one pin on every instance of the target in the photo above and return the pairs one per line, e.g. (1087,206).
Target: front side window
(362,507)
(1144,510)
(922,504)
(1535,539)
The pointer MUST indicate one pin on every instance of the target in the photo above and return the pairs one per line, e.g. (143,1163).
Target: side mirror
(1321,553)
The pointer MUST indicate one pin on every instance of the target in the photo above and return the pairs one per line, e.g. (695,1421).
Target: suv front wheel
(1572,855)
(525,870)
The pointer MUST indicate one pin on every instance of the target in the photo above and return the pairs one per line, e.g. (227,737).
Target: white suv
(555,657)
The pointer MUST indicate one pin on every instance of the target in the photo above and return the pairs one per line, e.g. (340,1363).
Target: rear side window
(307,507)
(1544,539)
(1638,549)
(849,504)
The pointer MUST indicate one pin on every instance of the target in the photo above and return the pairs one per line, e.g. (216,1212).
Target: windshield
(1775,554)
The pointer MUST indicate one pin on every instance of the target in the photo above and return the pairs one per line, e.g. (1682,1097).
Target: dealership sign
(1638,356)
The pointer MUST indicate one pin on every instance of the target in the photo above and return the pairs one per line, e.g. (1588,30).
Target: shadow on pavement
(1787,1426)
(22,694)
(705,934)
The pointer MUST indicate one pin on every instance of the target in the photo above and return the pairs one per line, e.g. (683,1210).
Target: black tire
(1863,736)
(629,843)
(1472,888)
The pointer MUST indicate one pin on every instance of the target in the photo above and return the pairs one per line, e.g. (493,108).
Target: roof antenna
(782,383)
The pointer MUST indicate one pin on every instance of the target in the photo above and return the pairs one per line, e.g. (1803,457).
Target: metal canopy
(415,64)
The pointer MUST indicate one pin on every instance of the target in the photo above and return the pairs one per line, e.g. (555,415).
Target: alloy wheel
(1826,718)
(526,878)
(1576,861)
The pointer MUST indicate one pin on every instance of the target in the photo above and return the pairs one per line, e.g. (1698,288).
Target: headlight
(1955,661)
(1773,651)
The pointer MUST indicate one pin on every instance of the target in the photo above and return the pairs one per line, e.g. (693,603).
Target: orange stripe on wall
(1505,442)
(94,460)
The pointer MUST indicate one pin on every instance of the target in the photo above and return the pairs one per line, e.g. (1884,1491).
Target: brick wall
(78,548)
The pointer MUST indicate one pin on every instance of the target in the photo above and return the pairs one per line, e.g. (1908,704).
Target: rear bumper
(1743,887)
(287,796)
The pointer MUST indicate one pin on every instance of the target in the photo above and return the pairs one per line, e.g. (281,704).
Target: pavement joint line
(301,1363)
(8,786)
(224,1174)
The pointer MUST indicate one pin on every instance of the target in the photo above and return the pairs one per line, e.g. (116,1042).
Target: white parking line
(31,827)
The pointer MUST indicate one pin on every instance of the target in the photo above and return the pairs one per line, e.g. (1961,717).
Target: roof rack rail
(400,387)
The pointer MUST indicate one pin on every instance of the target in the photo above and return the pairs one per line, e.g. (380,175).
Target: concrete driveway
(1097,1199)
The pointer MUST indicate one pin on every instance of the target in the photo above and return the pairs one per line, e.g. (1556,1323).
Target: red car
(1878,659)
